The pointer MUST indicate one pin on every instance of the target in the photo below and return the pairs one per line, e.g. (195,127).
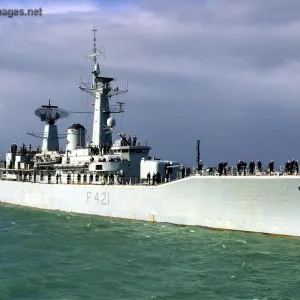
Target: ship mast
(102,92)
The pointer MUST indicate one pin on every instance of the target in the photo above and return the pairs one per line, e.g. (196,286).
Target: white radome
(111,122)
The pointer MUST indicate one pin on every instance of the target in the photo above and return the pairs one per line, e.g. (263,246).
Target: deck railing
(86,178)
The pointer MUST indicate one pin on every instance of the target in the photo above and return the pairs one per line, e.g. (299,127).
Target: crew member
(251,167)
(200,166)
(239,167)
(221,168)
(288,167)
(153,179)
(158,178)
(271,166)
(183,171)
(259,165)
(244,166)
(134,140)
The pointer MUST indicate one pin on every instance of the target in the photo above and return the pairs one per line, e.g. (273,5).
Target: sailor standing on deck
(271,166)
(239,167)
(288,167)
(134,140)
(259,165)
(221,168)
(129,140)
(244,167)
(251,167)
(153,178)
(200,167)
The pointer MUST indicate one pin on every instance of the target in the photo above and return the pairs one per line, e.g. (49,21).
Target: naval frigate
(120,179)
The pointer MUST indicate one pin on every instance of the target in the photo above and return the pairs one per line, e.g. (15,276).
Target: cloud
(226,72)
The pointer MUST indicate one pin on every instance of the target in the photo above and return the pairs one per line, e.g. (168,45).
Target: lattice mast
(102,92)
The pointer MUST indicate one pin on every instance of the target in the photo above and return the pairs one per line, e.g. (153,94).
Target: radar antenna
(50,113)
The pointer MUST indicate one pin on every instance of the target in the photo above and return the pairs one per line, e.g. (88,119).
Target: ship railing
(42,176)
(114,108)
(233,171)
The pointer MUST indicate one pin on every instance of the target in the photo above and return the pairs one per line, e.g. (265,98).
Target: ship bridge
(134,154)
(118,147)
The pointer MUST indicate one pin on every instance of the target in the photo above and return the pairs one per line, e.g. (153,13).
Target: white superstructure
(120,179)
(76,137)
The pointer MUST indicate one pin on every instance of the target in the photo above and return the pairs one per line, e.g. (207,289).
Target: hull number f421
(100,198)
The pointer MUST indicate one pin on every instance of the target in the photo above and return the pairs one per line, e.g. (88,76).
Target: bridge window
(98,167)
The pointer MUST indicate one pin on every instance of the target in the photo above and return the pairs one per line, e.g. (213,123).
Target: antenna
(95,47)
(92,56)
(50,114)
(91,88)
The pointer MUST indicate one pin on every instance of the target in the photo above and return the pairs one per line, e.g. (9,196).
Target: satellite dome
(111,122)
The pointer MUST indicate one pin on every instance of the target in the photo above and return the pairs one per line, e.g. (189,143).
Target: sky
(226,72)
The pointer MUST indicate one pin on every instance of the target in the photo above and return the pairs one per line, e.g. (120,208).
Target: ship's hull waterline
(265,204)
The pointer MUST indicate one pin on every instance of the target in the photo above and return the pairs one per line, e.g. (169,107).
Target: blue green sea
(59,256)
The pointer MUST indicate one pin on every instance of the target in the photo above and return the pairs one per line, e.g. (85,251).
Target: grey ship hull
(266,204)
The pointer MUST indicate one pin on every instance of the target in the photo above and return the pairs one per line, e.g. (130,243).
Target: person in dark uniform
(153,179)
(221,168)
(123,140)
(129,140)
(134,140)
(200,167)
(251,167)
(259,165)
(210,170)
(158,178)
(239,167)
(271,166)
(183,172)
(148,178)
(244,166)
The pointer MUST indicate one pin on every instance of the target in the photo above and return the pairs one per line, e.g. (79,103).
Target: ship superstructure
(95,162)
(120,178)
